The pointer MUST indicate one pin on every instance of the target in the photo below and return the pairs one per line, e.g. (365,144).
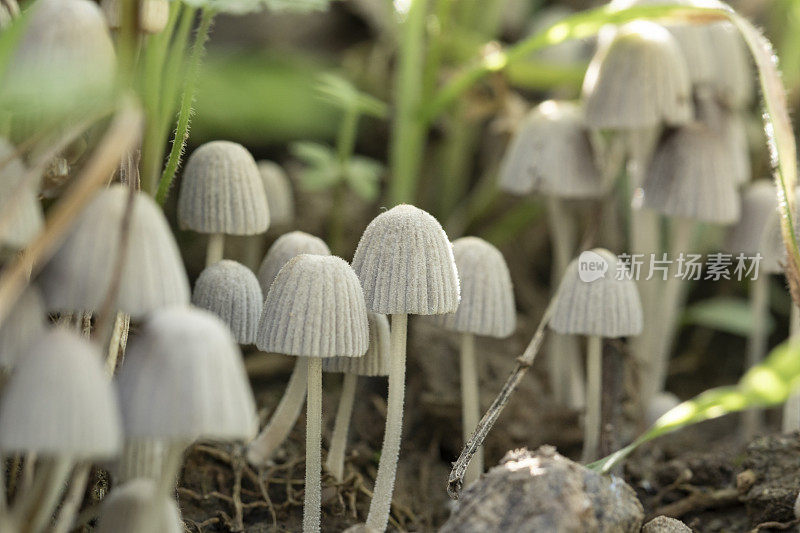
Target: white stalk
(73,499)
(791,411)
(171,468)
(381,504)
(470,403)
(216,248)
(260,450)
(36,507)
(312,500)
(757,344)
(335,462)
(594,381)
(119,340)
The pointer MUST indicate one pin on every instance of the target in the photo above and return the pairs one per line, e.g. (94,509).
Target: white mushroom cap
(230,290)
(222,191)
(279,192)
(78,277)
(487,295)
(605,307)
(27,220)
(130,507)
(373,363)
(59,401)
(551,154)
(183,379)
(22,327)
(139,458)
(691,176)
(405,263)
(315,308)
(638,81)
(284,248)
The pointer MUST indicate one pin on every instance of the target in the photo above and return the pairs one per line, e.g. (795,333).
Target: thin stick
(119,338)
(791,411)
(757,344)
(216,248)
(594,382)
(312,499)
(335,462)
(37,508)
(470,402)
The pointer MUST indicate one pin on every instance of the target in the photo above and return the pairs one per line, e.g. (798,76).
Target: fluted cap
(551,154)
(405,263)
(284,248)
(487,295)
(230,290)
(758,230)
(222,191)
(373,363)
(77,278)
(23,325)
(314,308)
(601,306)
(129,508)
(59,401)
(279,192)
(27,219)
(691,176)
(183,379)
(638,80)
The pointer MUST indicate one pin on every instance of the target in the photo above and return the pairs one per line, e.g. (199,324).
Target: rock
(360,528)
(544,491)
(663,524)
(776,477)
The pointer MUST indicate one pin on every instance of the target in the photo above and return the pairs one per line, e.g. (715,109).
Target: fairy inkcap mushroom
(315,309)
(406,266)
(17,200)
(283,249)
(230,290)
(134,507)
(24,325)
(222,194)
(279,192)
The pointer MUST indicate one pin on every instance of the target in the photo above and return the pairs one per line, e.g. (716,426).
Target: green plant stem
(458,154)
(443,12)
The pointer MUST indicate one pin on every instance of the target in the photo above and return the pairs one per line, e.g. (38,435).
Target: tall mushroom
(405,263)
(131,506)
(315,309)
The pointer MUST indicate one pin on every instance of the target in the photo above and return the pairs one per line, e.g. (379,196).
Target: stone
(664,524)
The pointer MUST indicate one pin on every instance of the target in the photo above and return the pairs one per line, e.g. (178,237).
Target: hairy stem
(335,462)
(470,403)
(312,499)
(594,397)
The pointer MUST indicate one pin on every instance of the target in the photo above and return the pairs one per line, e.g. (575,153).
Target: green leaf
(341,93)
(315,179)
(313,154)
(363,175)
(730,315)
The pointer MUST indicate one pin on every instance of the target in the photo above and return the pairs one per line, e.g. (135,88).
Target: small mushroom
(284,248)
(314,309)
(279,193)
(134,506)
(20,199)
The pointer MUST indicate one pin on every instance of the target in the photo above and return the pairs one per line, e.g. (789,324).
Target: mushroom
(23,326)
(405,263)
(222,194)
(592,301)
(486,308)
(284,248)
(315,309)
(279,192)
(132,507)
(374,363)
(20,199)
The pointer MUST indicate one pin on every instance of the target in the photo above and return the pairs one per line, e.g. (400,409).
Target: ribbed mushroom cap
(551,154)
(285,247)
(130,507)
(184,379)
(59,401)
(373,363)
(605,307)
(405,263)
(77,278)
(279,192)
(691,176)
(222,191)
(24,324)
(27,218)
(230,290)
(314,308)
(487,295)
(637,81)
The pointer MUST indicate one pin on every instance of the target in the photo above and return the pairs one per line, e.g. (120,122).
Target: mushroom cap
(23,325)
(731,126)
(605,307)
(183,379)
(60,402)
(279,192)
(28,219)
(638,80)
(373,363)
(487,294)
(691,176)
(314,308)
(139,458)
(405,263)
(230,290)
(222,191)
(79,275)
(130,506)
(551,154)
(284,248)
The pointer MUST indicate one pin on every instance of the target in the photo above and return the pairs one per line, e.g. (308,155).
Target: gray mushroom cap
(373,363)
(27,218)
(130,506)
(279,192)
(183,379)
(285,247)
(314,308)
(59,401)
(487,295)
(78,276)
(230,290)
(551,154)
(22,327)
(222,191)
(605,307)
(405,263)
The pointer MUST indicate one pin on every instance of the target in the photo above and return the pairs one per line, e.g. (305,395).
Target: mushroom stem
(470,403)
(171,467)
(118,342)
(216,248)
(312,500)
(73,499)
(260,450)
(335,462)
(791,411)
(594,380)
(757,344)
(37,506)
(381,503)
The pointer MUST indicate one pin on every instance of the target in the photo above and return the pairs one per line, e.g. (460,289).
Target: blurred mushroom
(21,328)
(18,201)
(279,193)
(133,507)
